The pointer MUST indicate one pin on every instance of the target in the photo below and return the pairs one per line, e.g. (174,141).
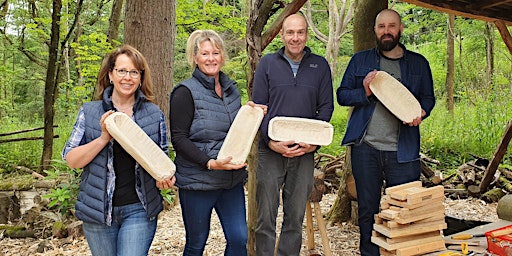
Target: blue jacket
(213,117)
(415,75)
(308,95)
(94,203)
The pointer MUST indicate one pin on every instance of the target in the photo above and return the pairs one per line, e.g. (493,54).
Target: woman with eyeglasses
(118,200)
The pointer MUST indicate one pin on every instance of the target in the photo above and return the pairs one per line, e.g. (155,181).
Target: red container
(500,245)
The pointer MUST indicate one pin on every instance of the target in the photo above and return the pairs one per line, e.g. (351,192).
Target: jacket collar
(209,82)
(109,105)
(307,52)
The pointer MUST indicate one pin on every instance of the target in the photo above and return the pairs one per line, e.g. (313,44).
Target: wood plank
(425,195)
(413,215)
(410,230)
(384,252)
(389,214)
(417,195)
(421,249)
(436,198)
(413,237)
(381,241)
(402,186)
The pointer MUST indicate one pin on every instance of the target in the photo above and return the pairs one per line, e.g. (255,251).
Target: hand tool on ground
(464,248)
(464,236)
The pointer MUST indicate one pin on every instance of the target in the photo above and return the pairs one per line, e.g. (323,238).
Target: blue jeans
(196,209)
(130,234)
(295,177)
(370,168)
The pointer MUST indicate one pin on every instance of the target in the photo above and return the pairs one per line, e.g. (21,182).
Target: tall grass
(475,129)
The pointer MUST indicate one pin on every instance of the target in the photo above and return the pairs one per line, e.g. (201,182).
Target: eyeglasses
(123,72)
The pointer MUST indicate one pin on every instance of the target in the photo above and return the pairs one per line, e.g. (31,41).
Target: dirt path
(170,236)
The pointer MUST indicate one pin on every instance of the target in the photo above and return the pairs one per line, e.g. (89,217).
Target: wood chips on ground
(170,235)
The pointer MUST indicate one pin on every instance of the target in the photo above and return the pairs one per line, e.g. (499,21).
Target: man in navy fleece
(292,82)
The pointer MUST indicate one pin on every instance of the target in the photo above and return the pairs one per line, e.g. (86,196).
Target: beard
(388,45)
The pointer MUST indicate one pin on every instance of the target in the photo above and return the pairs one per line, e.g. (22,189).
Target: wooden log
(318,187)
(28,170)
(5,203)
(24,131)
(493,195)
(309,227)
(498,156)
(20,233)
(425,170)
(323,232)
(505,184)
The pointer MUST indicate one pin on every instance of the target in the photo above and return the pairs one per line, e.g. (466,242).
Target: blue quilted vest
(212,118)
(94,203)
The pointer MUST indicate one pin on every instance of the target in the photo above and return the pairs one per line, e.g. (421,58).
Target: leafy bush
(63,198)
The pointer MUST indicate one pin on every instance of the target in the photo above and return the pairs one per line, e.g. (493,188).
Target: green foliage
(64,196)
(168,195)
(474,129)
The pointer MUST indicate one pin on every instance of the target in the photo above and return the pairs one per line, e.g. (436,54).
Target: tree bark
(489,53)
(339,18)
(364,21)
(114,22)
(450,62)
(50,86)
(52,77)
(150,27)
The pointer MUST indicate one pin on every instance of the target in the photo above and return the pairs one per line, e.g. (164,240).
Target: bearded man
(384,150)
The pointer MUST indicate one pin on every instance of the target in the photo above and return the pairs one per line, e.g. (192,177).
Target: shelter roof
(487,10)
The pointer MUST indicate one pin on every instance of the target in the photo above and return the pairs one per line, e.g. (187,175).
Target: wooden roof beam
(446,9)
(487,4)
(505,34)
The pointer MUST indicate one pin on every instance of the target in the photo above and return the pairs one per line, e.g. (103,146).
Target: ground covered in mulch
(170,236)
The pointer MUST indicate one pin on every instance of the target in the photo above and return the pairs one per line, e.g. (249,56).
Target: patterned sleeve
(164,144)
(77,134)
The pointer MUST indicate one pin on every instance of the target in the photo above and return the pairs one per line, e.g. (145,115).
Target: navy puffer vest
(94,204)
(212,118)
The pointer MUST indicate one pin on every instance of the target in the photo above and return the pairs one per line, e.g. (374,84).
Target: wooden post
(309,226)
(323,232)
(498,156)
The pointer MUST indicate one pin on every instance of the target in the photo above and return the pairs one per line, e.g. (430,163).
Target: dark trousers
(371,167)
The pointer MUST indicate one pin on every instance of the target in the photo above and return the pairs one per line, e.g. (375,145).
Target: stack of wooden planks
(411,220)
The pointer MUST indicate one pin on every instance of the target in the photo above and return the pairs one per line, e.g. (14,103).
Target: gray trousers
(295,177)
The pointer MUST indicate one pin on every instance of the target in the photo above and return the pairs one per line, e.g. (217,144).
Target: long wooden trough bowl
(310,131)
(241,134)
(395,97)
(140,146)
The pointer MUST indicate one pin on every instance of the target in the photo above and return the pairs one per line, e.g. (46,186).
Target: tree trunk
(364,21)
(450,62)
(364,38)
(489,53)
(339,18)
(50,86)
(114,22)
(341,209)
(150,27)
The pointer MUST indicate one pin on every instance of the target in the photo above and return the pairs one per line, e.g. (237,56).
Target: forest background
(465,123)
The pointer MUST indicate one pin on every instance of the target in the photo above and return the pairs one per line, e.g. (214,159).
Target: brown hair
(109,62)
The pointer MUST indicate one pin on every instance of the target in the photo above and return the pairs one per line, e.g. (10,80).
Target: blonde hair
(194,45)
